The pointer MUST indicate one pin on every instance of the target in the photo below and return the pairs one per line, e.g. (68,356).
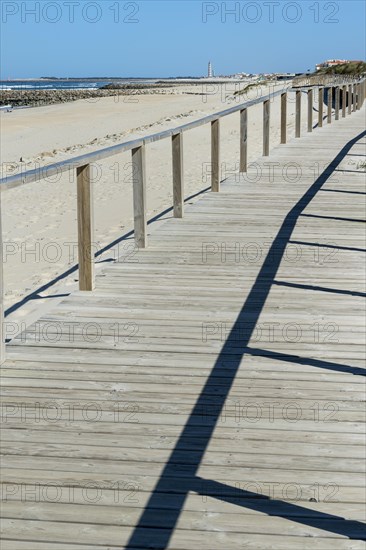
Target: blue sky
(175,38)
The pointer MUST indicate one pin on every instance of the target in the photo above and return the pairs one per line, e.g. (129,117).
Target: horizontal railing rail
(305,80)
(39,173)
(346,98)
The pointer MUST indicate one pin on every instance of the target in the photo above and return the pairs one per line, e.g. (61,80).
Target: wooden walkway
(209,393)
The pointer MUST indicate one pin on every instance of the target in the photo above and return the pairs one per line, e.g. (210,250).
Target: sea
(67,84)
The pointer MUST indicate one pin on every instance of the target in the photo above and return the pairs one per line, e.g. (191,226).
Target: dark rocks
(34,98)
(136,86)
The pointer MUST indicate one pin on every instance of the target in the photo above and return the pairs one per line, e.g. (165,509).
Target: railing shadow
(35,295)
(337,218)
(320,289)
(283,509)
(344,191)
(331,246)
(145,534)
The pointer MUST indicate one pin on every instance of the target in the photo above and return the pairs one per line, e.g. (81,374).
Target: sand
(39,219)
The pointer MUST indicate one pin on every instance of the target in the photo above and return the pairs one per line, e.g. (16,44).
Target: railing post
(243,140)
(336,117)
(330,100)
(2,324)
(321,107)
(358,88)
(354,97)
(215,155)
(344,100)
(139,195)
(298,114)
(361,94)
(85,218)
(350,99)
(284,117)
(178,176)
(266,121)
(310,110)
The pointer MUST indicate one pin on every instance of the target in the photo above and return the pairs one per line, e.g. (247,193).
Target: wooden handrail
(354,92)
(59,167)
(305,80)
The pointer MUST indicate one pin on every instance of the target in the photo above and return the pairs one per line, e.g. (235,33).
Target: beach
(39,219)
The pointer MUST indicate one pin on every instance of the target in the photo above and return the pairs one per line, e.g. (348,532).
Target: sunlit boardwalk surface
(209,394)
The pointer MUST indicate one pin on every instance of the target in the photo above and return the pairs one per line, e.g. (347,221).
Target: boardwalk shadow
(145,534)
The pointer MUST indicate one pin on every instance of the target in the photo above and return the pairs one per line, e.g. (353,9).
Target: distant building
(333,63)
(210,70)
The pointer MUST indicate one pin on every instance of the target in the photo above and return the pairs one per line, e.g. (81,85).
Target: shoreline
(35,97)
(31,141)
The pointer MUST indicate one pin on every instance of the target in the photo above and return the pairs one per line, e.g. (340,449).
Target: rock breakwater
(34,98)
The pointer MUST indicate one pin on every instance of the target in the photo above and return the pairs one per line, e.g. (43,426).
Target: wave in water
(60,84)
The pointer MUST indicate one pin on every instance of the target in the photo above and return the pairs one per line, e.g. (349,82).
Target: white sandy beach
(39,219)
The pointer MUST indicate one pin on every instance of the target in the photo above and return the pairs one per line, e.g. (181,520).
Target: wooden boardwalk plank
(209,393)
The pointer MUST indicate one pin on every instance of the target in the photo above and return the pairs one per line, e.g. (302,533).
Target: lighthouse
(210,71)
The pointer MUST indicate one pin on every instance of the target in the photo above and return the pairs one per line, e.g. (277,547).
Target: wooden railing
(83,165)
(306,80)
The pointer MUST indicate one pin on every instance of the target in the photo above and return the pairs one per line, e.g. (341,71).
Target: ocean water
(86,84)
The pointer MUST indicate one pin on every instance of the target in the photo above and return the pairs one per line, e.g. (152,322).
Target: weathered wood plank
(204,384)
(115,537)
